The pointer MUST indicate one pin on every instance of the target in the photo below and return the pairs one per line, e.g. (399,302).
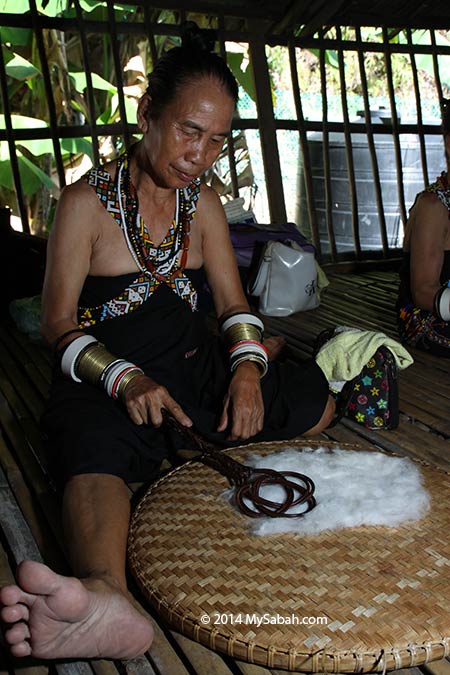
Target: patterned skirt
(422,329)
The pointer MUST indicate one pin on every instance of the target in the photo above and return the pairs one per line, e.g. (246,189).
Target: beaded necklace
(162,262)
(441,189)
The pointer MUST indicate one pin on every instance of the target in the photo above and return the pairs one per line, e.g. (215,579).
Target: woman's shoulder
(428,202)
(428,221)
(210,216)
(206,199)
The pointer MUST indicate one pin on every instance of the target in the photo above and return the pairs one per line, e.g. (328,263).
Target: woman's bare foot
(62,617)
(274,345)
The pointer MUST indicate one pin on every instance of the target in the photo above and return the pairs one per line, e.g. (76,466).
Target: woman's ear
(143,112)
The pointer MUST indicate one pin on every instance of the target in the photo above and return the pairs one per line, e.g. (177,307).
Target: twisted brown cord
(247,481)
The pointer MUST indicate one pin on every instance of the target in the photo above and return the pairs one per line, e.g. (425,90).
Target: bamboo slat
(11,146)
(395,131)
(118,70)
(371,147)
(48,92)
(437,76)
(89,87)
(349,149)
(423,153)
(269,145)
(230,141)
(307,169)
(326,157)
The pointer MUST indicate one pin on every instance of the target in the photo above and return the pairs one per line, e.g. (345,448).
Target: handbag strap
(256,286)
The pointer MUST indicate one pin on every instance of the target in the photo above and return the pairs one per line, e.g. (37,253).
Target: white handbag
(286,280)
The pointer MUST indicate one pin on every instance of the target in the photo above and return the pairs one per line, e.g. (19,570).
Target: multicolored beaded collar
(441,189)
(157,264)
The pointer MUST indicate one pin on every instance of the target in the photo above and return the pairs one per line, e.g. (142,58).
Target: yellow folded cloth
(344,356)
(322,280)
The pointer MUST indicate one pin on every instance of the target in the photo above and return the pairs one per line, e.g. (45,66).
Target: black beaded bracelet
(55,344)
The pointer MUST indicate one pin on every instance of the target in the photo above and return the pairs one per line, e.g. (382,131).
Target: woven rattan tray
(385,591)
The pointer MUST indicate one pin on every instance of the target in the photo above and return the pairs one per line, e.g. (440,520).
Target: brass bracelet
(242,331)
(126,379)
(260,362)
(93,362)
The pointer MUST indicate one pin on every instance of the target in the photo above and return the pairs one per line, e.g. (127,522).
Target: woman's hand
(144,398)
(243,404)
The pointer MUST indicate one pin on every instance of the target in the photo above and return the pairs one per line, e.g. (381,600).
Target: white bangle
(71,354)
(115,375)
(444,305)
(241,318)
(249,349)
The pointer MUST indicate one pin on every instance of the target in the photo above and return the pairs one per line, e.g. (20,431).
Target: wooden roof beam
(314,15)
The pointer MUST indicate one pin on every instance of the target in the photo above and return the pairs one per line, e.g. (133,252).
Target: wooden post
(395,134)
(267,127)
(423,152)
(89,87)
(437,76)
(12,147)
(348,147)
(118,69)
(48,92)
(371,146)
(326,156)
(315,235)
(230,142)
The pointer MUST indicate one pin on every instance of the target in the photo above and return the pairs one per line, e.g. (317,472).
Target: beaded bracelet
(55,344)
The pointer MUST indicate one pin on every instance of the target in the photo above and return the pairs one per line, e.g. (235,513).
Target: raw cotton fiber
(352,488)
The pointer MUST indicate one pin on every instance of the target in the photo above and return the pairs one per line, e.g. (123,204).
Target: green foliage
(243,76)
(14,6)
(20,37)
(17,67)
(98,82)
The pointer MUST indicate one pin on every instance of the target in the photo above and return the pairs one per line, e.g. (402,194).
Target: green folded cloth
(344,356)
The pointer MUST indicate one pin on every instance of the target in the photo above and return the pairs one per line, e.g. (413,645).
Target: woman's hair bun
(193,37)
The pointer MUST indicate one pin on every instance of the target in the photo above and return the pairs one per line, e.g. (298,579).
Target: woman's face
(185,140)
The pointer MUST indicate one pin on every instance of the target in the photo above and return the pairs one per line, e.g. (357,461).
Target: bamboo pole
(267,127)
(423,152)
(437,76)
(326,157)
(12,147)
(315,235)
(230,142)
(349,149)
(395,133)
(89,87)
(48,92)
(371,147)
(118,69)
(150,34)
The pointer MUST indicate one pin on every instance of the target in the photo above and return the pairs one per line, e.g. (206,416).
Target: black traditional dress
(151,318)
(419,327)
